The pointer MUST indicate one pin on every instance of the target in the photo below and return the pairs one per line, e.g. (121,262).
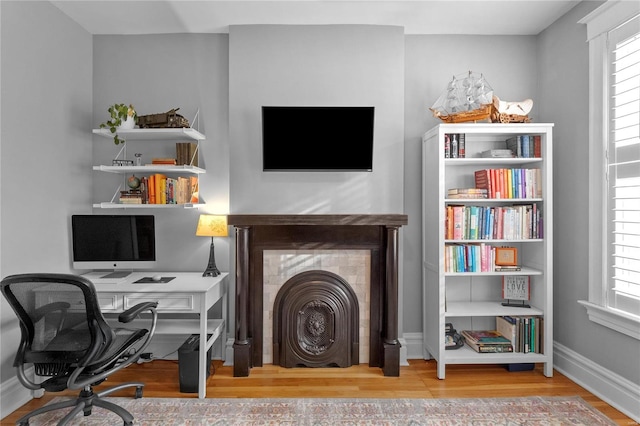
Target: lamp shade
(210,225)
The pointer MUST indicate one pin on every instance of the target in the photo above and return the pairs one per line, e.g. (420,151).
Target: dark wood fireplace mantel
(377,233)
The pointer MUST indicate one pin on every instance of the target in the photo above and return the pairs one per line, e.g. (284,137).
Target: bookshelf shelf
(150,168)
(490,161)
(466,355)
(107,205)
(170,134)
(486,309)
(473,300)
(151,135)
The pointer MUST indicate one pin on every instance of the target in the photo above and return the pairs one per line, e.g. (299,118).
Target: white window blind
(623,176)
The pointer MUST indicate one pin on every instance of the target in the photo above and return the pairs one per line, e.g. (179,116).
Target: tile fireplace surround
(376,233)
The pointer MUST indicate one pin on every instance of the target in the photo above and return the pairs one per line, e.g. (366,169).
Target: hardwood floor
(418,380)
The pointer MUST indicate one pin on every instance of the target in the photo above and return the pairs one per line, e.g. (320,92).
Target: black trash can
(188,364)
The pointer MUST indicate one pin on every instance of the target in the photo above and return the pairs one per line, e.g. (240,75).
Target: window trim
(599,22)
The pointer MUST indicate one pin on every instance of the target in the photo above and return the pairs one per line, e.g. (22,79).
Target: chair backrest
(60,318)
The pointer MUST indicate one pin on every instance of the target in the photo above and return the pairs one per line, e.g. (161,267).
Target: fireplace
(376,233)
(315,322)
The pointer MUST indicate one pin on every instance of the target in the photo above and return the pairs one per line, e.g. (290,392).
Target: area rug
(529,411)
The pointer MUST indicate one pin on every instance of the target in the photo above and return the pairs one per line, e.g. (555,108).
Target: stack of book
(497,153)
(167,161)
(467,193)
(133,196)
(487,341)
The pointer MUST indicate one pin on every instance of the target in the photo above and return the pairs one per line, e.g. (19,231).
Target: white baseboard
(413,343)
(228,359)
(13,396)
(615,390)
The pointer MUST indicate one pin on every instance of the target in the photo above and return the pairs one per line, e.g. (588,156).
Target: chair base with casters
(84,403)
(68,341)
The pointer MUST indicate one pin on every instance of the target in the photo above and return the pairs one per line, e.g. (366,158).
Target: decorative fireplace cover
(316,322)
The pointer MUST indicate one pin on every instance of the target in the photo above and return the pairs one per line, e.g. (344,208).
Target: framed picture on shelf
(518,288)
(506,256)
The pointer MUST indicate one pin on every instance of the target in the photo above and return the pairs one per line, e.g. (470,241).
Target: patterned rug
(527,411)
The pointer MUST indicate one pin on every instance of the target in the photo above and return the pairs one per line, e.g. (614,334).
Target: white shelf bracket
(196,121)
(116,193)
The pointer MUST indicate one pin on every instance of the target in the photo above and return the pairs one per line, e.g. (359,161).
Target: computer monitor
(113,242)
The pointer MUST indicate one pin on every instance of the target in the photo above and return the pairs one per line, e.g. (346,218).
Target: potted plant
(122,117)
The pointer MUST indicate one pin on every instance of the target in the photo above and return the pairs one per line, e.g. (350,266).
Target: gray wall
(563,63)
(315,65)
(156,73)
(46,107)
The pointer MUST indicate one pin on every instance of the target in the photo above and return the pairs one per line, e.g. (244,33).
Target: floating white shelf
(164,134)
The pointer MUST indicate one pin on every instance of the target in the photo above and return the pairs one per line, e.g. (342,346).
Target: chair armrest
(131,313)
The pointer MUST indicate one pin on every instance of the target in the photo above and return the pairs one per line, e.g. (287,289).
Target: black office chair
(67,340)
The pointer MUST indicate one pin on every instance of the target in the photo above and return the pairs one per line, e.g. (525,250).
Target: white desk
(188,292)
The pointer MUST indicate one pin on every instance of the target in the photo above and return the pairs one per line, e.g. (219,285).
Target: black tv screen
(317,138)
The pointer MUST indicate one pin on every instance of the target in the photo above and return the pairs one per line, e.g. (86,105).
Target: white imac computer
(115,244)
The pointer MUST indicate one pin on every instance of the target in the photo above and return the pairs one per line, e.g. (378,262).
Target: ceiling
(500,17)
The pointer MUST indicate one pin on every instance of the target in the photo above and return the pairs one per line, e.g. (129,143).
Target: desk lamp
(212,226)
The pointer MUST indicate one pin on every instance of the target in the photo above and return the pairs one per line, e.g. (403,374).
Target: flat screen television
(317,138)
(113,242)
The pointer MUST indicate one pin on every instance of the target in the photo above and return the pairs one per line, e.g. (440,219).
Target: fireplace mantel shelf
(318,219)
(375,232)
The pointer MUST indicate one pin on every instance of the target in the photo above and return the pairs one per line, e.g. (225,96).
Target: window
(614,138)
(623,177)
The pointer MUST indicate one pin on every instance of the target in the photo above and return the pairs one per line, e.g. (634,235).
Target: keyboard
(105,277)
(115,275)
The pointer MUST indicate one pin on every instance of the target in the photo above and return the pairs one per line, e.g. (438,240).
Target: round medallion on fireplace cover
(315,322)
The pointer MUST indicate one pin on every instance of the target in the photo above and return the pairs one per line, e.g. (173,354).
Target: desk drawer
(167,302)
(107,302)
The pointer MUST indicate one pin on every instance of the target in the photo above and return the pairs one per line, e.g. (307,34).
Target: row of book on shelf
(520,146)
(516,222)
(523,334)
(474,257)
(509,183)
(454,145)
(160,189)
(525,146)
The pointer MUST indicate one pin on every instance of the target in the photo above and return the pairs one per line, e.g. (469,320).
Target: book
(483,180)
(515,144)
(461,145)
(513,268)
(447,145)
(170,161)
(467,193)
(490,348)
(537,148)
(507,326)
(454,145)
(497,153)
(492,337)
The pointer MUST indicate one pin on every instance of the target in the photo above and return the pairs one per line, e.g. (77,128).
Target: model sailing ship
(469,97)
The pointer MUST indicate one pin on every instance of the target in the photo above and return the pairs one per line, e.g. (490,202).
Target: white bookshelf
(472,300)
